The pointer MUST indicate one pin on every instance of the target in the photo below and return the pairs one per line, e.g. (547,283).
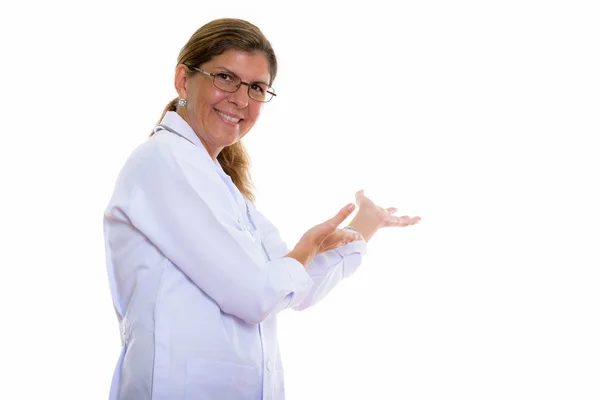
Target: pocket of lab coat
(208,380)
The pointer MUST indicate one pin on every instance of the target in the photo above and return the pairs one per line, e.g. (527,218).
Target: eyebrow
(233,73)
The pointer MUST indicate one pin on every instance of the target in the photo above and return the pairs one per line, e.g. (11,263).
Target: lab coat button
(270,365)
(124,336)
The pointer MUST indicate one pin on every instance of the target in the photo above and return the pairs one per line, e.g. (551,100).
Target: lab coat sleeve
(169,209)
(327,269)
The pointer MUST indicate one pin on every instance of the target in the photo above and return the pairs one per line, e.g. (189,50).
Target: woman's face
(219,118)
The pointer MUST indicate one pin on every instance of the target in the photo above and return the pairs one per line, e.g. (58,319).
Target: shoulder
(159,155)
(144,158)
(165,160)
(143,164)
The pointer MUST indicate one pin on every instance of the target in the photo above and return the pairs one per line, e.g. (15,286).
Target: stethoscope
(161,127)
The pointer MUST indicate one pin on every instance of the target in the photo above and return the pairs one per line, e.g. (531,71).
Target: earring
(182,102)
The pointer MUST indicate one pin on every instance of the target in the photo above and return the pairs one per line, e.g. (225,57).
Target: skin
(206,105)
(372,217)
(369,219)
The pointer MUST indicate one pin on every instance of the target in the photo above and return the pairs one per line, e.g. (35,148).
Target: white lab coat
(194,291)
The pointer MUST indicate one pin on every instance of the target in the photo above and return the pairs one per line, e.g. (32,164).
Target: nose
(240,97)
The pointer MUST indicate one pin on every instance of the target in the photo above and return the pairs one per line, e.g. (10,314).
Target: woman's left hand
(339,238)
(371,217)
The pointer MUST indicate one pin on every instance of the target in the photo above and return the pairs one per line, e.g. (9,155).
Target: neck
(212,152)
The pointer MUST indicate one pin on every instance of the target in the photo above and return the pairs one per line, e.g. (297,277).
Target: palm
(382,217)
(327,236)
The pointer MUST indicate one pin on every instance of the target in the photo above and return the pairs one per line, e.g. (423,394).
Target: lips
(228,117)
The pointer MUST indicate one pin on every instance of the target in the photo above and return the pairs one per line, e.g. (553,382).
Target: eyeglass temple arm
(202,71)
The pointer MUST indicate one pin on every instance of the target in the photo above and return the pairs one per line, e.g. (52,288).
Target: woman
(197,273)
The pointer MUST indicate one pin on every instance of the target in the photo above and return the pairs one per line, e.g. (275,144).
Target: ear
(182,80)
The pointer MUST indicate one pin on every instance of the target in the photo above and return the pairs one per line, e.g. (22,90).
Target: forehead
(251,67)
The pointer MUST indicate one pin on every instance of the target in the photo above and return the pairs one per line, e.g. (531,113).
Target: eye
(258,88)
(224,77)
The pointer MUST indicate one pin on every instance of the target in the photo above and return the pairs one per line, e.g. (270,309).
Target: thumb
(359,195)
(341,216)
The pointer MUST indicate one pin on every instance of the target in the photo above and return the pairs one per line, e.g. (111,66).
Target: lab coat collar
(179,125)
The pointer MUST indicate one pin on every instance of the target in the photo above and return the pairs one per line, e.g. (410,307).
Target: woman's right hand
(323,237)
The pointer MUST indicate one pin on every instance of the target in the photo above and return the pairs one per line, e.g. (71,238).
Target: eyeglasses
(229,82)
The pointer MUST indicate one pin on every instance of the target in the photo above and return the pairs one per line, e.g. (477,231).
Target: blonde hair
(209,41)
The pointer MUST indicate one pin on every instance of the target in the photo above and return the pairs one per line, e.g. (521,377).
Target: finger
(341,216)
(342,242)
(331,242)
(350,236)
(407,221)
(391,210)
(404,220)
(359,196)
(339,238)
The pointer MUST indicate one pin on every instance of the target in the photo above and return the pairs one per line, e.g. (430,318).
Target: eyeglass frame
(213,75)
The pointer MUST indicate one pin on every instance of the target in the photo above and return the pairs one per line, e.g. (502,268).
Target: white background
(481,117)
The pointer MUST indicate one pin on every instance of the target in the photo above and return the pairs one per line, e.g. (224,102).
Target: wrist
(303,253)
(352,229)
(366,230)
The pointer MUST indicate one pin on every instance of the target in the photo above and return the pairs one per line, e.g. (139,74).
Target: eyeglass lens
(231,83)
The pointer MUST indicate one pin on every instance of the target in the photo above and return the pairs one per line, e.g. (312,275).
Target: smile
(228,118)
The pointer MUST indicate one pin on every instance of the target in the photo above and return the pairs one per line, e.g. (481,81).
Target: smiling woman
(197,273)
(216,108)
(212,41)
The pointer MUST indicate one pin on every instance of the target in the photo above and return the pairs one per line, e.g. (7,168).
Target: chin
(226,142)
(231,138)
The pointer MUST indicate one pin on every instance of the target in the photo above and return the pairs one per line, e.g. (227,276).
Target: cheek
(209,97)
(254,112)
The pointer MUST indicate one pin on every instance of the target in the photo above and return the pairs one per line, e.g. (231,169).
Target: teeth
(228,118)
